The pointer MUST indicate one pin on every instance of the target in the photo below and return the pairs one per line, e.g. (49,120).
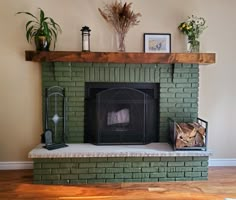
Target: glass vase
(120,40)
(193,46)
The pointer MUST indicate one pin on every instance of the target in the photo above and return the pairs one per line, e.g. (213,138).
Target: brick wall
(178,99)
(119,169)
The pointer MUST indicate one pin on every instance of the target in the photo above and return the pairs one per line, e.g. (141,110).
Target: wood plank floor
(221,184)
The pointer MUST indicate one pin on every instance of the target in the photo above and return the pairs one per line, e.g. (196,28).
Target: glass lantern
(85,38)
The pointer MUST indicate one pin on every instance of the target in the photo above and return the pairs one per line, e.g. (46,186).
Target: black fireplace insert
(121,113)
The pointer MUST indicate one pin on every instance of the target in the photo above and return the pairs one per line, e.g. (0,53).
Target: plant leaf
(27,13)
(29,33)
(41,16)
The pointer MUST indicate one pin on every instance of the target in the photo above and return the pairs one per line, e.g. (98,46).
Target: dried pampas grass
(121,17)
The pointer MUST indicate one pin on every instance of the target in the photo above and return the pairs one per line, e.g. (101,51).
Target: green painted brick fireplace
(178,98)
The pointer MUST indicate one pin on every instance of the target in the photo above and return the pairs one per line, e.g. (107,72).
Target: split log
(190,135)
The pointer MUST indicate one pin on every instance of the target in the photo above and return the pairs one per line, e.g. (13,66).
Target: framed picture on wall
(157,42)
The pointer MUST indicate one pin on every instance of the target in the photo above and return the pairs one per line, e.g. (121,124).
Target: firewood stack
(190,135)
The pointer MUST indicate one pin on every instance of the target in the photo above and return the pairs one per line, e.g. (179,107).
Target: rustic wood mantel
(117,57)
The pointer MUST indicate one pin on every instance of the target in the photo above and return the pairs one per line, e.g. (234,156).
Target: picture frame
(157,42)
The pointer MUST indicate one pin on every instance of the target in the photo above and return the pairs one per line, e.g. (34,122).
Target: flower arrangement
(121,17)
(193,28)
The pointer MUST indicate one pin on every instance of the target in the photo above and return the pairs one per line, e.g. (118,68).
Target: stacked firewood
(190,135)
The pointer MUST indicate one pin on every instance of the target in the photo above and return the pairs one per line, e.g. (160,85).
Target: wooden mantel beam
(117,57)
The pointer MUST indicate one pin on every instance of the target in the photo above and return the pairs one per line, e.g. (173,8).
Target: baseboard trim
(16,165)
(29,164)
(222,162)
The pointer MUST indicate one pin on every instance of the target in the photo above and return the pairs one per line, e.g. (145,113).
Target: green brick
(60,171)
(200,169)
(150,179)
(183,85)
(192,174)
(37,177)
(183,169)
(140,175)
(96,181)
(37,165)
(50,165)
(133,159)
(190,100)
(175,100)
(181,80)
(111,164)
(150,169)
(114,180)
(158,175)
(46,182)
(205,173)
(78,182)
(187,158)
(140,164)
(105,176)
(194,110)
(201,158)
(186,115)
(158,164)
(163,80)
(193,163)
(175,164)
(168,85)
(123,175)
(166,179)
(174,110)
(151,159)
(169,159)
(183,179)
(69,177)
(181,70)
(80,171)
(167,169)
(51,177)
(183,95)
(115,170)
(87,165)
(167,95)
(87,176)
(133,180)
(118,159)
(96,170)
(168,105)
(61,182)
(175,174)
(123,164)
(183,105)
(193,80)
(127,170)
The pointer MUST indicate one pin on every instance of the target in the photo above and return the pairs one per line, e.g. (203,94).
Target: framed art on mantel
(157,42)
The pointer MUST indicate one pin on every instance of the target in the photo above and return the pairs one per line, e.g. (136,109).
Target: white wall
(20,81)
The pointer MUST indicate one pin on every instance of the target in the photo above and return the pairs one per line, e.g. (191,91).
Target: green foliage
(42,26)
(193,27)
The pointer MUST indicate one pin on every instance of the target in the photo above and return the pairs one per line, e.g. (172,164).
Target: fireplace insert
(121,113)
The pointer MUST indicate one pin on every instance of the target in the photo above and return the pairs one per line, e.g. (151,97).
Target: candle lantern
(85,38)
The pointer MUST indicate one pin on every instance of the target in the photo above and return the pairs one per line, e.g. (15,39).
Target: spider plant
(43,30)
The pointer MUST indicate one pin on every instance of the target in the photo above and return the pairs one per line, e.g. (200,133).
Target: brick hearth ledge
(90,150)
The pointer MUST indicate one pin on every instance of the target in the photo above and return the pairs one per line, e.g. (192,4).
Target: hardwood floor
(221,184)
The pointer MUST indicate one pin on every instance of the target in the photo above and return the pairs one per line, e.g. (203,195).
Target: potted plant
(43,30)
